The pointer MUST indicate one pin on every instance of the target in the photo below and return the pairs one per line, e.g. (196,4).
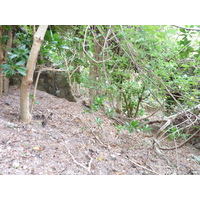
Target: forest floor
(64,139)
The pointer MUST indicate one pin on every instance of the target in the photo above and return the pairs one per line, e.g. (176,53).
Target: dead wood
(180,145)
(185,122)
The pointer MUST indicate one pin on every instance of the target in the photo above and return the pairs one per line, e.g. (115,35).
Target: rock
(52,82)
(7,102)
(11,125)
(113,157)
(55,83)
(15,164)
(197,145)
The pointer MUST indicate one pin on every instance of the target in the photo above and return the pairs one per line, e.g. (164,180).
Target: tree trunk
(8,46)
(118,107)
(28,79)
(92,89)
(1,61)
(95,73)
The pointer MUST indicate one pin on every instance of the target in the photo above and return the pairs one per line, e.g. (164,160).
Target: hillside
(64,139)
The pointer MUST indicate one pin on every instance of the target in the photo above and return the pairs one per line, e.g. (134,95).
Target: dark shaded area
(52,82)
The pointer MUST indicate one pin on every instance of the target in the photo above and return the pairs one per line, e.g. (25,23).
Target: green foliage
(134,93)
(16,61)
(119,127)
(99,121)
(24,39)
(146,128)
(98,103)
(110,112)
(144,61)
(131,126)
(175,133)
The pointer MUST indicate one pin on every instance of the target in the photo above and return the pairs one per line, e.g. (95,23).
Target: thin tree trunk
(95,74)
(92,89)
(1,61)
(8,46)
(28,79)
(118,108)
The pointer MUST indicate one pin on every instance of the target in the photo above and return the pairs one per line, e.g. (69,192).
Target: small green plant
(146,128)
(119,127)
(98,121)
(174,133)
(131,126)
(185,136)
(95,107)
(110,112)
(98,103)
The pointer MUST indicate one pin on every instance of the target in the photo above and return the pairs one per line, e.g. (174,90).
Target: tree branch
(191,29)
(97,62)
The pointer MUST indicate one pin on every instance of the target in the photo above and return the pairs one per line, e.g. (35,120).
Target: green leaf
(21,62)
(192,63)
(22,70)
(65,47)
(134,123)
(120,35)
(9,72)
(12,56)
(23,47)
(182,30)
(186,66)
(6,66)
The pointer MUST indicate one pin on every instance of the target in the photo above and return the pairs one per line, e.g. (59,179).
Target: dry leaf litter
(63,139)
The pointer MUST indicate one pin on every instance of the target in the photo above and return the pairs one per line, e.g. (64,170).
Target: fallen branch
(176,147)
(135,163)
(89,165)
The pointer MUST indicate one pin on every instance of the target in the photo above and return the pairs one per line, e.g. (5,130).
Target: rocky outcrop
(52,82)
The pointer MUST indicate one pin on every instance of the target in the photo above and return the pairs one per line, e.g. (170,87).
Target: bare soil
(64,139)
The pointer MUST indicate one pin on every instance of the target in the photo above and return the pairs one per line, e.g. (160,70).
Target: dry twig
(89,165)
(135,163)
(107,146)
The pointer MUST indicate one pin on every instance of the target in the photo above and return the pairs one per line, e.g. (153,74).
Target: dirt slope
(63,139)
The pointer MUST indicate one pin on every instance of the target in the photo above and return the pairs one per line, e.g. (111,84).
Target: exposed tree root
(180,145)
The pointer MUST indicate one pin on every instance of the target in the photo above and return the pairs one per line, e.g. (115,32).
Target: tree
(28,79)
